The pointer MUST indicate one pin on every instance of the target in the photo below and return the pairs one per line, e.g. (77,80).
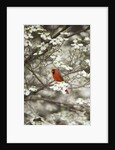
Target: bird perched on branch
(57,77)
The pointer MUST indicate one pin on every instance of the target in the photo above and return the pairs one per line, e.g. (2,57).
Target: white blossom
(42,47)
(53,56)
(45,36)
(58,58)
(49,38)
(80,44)
(30,44)
(33,88)
(35,54)
(26,92)
(25,36)
(75,41)
(30,36)
(86,39)
(65,33)
(73,44)
(79,101)
(60,86)
(84,49)
(62,65)
(53,41)
(84,73)
(76,46)
(59,38)
(79,39)
(88,47)
(40,52)
(57,41)
(27,43)
(39,28)
(87,61)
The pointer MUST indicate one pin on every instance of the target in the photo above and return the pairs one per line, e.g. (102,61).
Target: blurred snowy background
(62,47)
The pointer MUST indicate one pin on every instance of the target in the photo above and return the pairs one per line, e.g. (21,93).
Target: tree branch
(65,105)
(79,32)
(34,50)
(34,75)
(58,33)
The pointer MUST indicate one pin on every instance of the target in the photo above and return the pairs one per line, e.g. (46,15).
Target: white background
(17,132)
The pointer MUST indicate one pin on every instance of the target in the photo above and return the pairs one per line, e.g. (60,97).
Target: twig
(58,33)
(29,57)
(81,85)
(34,74)
(73,72)
(65,105)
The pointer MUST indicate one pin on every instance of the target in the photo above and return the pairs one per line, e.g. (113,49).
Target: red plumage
(57,77)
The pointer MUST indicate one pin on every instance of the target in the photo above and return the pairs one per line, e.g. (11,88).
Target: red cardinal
(57,77)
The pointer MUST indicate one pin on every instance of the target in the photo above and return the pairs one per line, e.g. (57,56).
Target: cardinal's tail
(67,91)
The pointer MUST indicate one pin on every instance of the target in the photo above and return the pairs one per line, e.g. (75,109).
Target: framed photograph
(57,80)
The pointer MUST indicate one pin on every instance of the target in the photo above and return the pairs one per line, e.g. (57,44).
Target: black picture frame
(3,27)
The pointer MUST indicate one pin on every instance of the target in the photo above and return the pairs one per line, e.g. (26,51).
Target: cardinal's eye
(53,71)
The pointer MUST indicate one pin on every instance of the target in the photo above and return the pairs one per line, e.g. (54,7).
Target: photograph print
(56,74)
